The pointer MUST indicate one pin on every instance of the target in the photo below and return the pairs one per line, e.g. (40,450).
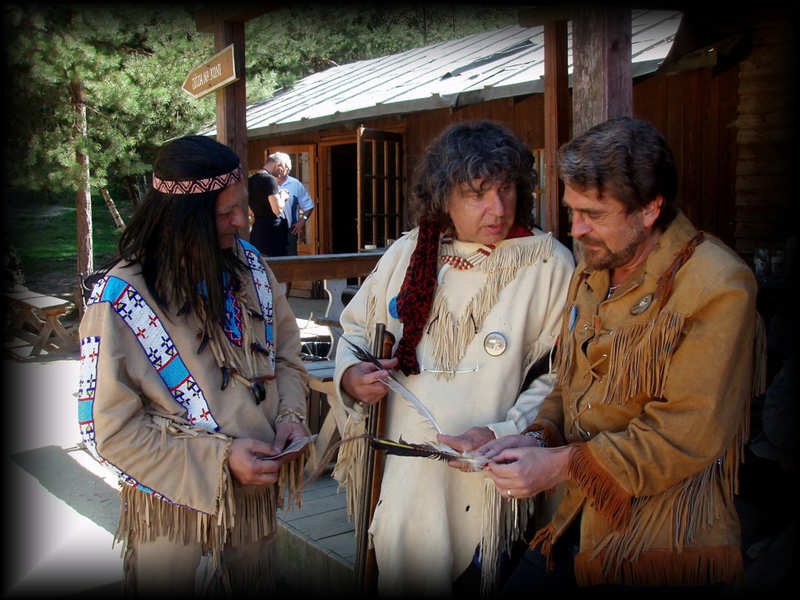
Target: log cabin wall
(766,124)
(695,110)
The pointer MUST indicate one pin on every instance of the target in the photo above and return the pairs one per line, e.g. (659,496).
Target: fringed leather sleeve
(550,432)
(605,494)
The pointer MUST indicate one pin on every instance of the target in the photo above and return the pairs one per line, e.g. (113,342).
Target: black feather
(403,448)
(256,347)
(363,355)
(226,377)
(203,343)
(258,391)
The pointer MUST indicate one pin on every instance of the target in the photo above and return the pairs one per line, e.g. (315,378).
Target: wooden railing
(332,269)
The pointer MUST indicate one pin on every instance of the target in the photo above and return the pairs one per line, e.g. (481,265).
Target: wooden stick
(366,567)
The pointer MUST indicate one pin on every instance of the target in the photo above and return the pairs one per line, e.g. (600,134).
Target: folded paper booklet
(295,446)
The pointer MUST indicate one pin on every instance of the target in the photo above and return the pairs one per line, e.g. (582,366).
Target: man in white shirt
(299,199)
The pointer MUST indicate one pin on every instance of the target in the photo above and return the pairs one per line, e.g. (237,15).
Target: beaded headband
(197,186)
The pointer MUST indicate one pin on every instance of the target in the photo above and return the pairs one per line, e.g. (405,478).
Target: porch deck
(316,544)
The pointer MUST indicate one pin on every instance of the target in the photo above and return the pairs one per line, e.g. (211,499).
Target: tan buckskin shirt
(151,407)
(656,399)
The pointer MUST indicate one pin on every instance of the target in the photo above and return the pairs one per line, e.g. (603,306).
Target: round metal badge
(495,343)
(642,304)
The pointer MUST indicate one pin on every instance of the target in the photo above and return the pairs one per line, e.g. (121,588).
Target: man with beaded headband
(190,375)
(473,294)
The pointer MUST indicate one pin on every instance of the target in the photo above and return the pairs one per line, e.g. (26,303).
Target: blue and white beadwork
(157,346)
(264,293)
(87,384)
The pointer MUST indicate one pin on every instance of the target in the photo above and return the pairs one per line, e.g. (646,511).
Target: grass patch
(42,228)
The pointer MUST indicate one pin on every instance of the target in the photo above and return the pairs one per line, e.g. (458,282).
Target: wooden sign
(217,72)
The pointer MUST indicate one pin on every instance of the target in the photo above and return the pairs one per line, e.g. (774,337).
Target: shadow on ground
(66,479)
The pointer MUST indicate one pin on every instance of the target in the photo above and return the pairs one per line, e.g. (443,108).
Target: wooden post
(232,99)
(602,82)
(556,123)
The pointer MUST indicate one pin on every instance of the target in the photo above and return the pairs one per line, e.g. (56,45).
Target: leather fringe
(602,491)
(290,477)
(662,568)
(147,517)
(245,514)
(450,336)
(351,455)
(546,536)
(640,356)
(503,521)
(691,505)
(565,345)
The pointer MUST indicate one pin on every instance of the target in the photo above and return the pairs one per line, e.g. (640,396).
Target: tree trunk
(83,198)
(112,208)
(131,192)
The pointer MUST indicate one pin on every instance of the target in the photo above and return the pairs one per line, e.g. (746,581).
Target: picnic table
(34,320)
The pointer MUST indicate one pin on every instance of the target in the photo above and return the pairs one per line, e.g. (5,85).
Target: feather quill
(394,384)
(403,448)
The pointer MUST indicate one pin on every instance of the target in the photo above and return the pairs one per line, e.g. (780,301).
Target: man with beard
(190,380)
(645,427)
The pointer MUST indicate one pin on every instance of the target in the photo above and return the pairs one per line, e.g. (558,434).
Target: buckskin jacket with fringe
(653,389)
(152,409)
(428,521)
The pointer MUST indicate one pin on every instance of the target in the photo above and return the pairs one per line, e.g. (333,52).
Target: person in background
(266,200)
(298,200)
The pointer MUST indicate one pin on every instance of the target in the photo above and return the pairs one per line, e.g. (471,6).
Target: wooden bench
(35,319)
(333,270)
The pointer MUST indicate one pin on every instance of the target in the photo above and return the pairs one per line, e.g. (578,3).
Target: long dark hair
(467,151)
(173,237)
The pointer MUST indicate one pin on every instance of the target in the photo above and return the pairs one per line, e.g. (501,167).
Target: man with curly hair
(473,295)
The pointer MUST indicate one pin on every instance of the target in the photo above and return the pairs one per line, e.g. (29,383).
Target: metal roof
(484,66)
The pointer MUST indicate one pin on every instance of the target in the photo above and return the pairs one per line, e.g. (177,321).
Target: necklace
(462,263)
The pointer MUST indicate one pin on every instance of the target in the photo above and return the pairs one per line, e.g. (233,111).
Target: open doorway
(343,196)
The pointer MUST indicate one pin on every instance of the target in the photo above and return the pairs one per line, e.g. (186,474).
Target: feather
(394,384)
(256,347)
(226,377)
(203,343)
(403,448)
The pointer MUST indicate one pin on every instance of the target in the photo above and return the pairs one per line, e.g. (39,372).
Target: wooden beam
(556,123)
(541,15)
(602,82)
(232,99)
(314,267)
(206,19)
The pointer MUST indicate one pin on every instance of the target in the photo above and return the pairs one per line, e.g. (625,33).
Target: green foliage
(128,60)
(132,60)
(41,227)
(290,43)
